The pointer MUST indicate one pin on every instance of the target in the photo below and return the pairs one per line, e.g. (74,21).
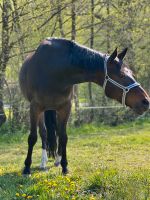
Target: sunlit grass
(104,163)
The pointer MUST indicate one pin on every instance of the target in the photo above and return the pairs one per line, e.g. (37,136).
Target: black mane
(87,58)
(81,56)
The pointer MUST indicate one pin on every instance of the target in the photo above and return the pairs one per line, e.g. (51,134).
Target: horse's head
(120,84)
(2,114)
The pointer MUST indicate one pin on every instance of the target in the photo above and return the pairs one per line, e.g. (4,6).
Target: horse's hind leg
(43,134)
(63,115)
(34,117)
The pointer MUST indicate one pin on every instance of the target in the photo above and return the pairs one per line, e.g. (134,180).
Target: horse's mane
(87,58)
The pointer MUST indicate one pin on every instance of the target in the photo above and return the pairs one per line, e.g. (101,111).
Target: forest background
(99,24)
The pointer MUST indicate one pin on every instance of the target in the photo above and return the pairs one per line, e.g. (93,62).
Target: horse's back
(43,70)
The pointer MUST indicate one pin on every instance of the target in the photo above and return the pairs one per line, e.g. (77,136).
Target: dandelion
(24,195)
(20,186)
(1,170)
(17,194)
(92,198)
(29,197)
(54,184)
(68,179)
(72,183)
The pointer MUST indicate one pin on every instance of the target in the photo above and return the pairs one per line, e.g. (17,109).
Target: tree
(73,37)
(91,46)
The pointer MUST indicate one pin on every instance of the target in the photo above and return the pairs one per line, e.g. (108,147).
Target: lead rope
(125,89)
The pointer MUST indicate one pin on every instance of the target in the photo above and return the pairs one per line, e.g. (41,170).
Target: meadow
(111,163)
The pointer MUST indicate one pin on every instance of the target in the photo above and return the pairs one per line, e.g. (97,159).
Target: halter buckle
(126,90)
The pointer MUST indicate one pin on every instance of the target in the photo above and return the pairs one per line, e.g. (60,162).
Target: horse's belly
(54,100)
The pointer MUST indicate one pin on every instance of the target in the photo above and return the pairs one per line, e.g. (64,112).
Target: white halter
(125,89)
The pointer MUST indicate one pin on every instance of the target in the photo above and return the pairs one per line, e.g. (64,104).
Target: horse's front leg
(63,115)
(34,117)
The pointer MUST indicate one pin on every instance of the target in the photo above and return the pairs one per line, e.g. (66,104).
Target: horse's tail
(51,126)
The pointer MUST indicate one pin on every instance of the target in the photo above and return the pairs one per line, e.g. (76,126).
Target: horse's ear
(113,56)
(122,54)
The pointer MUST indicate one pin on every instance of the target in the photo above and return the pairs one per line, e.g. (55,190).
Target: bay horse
(2,114)
(47,78)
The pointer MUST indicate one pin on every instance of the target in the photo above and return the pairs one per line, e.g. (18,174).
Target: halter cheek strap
(125,89)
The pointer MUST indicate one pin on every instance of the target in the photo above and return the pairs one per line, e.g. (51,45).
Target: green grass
(104,163)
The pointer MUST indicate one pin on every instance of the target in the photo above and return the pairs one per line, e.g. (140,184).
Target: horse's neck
(88,66)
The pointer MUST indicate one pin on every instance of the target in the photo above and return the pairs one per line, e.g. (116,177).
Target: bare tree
(6,47)
(73,36)
(108,26)
(91,46)
(60,18)
(17,30)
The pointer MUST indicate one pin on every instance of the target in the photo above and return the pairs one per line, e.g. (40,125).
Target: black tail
(51,126)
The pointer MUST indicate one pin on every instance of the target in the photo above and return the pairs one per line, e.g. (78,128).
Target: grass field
(104,163)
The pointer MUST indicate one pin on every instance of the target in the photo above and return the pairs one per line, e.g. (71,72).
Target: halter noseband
(125,89)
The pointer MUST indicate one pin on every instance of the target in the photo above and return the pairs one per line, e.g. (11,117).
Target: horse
(2,114)
(47,78)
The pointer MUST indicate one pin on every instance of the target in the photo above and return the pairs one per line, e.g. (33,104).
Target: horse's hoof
(56,164)
(57,161)
(65,171)
(26,171)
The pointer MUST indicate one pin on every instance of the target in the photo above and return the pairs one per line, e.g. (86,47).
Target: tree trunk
(17,28)
(104,98)
(91,46)
(108,26)
(60,19)
(73,36)
(4,54)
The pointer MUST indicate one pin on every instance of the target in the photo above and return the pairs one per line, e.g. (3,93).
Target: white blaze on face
(57,160)
(44,159)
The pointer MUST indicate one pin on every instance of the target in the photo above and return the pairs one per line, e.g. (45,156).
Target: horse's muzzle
(142,106)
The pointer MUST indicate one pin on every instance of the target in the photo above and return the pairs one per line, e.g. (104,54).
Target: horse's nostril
(145,102)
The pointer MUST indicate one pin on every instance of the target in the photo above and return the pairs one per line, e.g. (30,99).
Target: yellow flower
(54,185)
(92,198)
(17,194)
(72,183)
(45,181)
(29,197)
(20,186)
(24,195)
(1,170)
(68,179)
